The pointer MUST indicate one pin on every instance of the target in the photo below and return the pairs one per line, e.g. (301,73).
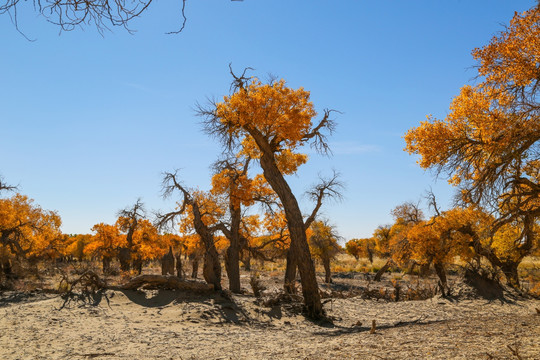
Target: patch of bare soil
(179,324)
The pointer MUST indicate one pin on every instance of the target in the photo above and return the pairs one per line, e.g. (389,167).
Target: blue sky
(88,123)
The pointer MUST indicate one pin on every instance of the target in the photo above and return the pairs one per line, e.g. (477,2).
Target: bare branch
(169,185)
(320,143)
(71,14)
(432,201)
(183,22)
(239,81)
(6,187)
(136,211)
(327,188)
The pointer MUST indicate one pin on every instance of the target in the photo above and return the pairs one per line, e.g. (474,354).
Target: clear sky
(88,123)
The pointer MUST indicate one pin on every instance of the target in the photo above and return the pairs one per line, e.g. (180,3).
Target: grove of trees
(488,146)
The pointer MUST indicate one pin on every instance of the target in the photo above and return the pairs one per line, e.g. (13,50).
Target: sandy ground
(165,324)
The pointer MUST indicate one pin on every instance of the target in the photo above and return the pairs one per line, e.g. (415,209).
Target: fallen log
(162,282)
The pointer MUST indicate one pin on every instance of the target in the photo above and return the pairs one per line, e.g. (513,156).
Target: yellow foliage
(322,240)
(283,116)
(27,229)
(106,241)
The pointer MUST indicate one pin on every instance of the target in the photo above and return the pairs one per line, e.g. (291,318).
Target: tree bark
(137,265)
(510,271)
(124,256)
(167,263)
(299,246)
(212,268)
(383,270)
(179,271)
(106,264)
(232,255)
(194,267)
(370,255)
(290,274)
(327,273)
(6,267)
(247,263)
(441,273)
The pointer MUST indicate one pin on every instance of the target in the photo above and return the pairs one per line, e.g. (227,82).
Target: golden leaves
(283,116)
(30,230)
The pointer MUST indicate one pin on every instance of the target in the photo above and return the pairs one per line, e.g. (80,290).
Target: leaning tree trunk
(290,274)
(383,270)
(299,245)
(441,273)
(327,273)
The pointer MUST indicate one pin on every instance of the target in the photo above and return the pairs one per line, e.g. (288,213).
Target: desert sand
(167,324)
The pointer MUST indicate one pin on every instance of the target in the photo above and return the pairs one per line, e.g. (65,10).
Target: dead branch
(6,187)
(327,188)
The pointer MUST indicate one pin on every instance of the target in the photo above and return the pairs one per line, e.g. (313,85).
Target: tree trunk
(510,271)
(290,274)
(382,270)
(247,263)
(424,270)
(106,264)
(212,268)
(327,274)
(370,255)
(232,260)
(441,273)
(232,256)
(137,265)
(194,267)
(179,271)
(299,246)
(6,267)
(124,256)
(167,263)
